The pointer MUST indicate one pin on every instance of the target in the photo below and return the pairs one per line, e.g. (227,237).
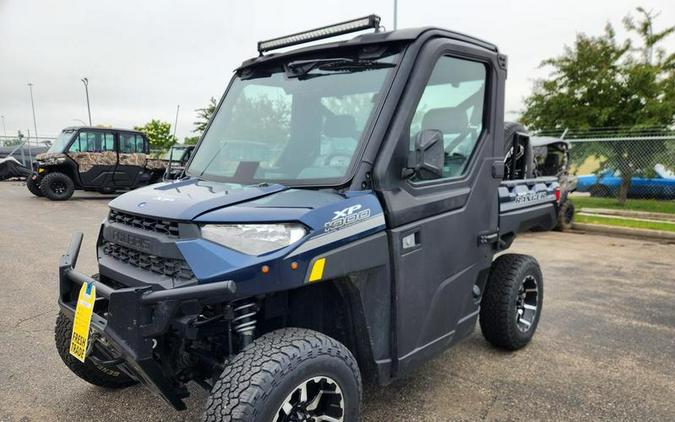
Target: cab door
(435,222)
(94,152)
(133,151)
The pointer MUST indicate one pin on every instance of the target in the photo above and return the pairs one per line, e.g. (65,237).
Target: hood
(287,205)
(49,155)
(187,199)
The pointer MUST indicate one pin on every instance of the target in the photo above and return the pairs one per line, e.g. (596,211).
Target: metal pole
(85,81)
(4,128)
(32,104)
(175,125)
(395,14)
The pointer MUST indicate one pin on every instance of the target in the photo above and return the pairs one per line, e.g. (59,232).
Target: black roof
(408,34)
(74,128)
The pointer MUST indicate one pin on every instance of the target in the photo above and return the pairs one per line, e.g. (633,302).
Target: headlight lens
(254,239)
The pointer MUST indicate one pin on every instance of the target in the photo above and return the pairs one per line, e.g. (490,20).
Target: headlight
(254,239)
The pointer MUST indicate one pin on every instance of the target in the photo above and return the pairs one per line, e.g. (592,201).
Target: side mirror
(426,161)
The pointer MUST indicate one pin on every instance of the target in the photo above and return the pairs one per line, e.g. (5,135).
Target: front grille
(175,268)
(157,225)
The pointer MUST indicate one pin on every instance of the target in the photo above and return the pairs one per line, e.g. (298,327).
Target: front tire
(57,186)
(88,371)
(288,375)
(33,184)
(512,302)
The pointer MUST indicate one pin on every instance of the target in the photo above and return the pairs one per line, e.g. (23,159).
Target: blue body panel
(332,220)
(186,199)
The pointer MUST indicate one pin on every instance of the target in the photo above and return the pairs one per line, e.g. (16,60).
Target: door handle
(410,241)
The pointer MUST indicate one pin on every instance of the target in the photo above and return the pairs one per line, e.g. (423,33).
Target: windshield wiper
(301,68)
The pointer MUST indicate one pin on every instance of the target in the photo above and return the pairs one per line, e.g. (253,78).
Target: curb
(625,231)
(657,216)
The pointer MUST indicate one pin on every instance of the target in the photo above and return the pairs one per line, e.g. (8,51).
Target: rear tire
(33,185)
(512,302)
(88,371)
(565,216)
(266,380)
(57,186)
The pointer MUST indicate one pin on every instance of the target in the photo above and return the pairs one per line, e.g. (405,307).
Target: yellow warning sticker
(83,311)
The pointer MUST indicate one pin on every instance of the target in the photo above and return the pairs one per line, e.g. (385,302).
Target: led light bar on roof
(371,21)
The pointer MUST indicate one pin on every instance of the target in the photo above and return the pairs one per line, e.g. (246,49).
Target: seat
(450,121)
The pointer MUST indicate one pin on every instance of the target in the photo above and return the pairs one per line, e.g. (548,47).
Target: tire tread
(250,377)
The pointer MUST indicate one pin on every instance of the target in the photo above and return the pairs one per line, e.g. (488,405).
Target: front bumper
(130,319)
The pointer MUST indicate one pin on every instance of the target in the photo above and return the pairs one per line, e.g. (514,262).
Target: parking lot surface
(604,349)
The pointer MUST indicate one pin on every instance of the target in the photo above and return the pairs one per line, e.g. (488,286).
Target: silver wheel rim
(316,399)
(527,303)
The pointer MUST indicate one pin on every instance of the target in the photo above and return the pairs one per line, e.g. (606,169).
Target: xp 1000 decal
(352,221)
(346,217)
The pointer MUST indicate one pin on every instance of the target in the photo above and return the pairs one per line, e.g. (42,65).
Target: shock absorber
(244,321)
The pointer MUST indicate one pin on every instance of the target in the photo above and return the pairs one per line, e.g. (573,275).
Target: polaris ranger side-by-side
(337,221)
(94,159)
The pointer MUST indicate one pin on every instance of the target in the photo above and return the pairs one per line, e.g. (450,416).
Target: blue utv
(336,223)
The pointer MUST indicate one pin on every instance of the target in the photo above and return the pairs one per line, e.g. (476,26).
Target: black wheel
(512,302)
(88,371)
(288,375)
(599,191)
(565,216)
(33,184)
(57,186)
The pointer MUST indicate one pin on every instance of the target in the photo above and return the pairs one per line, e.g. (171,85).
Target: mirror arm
(411,166)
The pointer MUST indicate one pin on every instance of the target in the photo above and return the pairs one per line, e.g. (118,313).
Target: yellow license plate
(83,311)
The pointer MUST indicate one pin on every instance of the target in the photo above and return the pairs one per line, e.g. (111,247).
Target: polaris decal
(346,217)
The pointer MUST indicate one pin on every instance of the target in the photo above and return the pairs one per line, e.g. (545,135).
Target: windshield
(174,154)
(298,124)
(61,141)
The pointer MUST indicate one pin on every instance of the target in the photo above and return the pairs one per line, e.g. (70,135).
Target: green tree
(190,140)
(159,135)
(601,82)
(204,115)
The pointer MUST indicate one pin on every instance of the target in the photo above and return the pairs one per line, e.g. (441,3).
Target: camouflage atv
(94,159)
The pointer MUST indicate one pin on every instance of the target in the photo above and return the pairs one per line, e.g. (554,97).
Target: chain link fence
(622,163)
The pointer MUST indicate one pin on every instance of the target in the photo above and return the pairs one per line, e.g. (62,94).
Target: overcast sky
(143,58)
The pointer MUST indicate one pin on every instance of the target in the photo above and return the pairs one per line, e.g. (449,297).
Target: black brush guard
(135,316)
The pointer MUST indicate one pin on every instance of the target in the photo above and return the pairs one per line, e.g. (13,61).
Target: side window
(140,144)
(131,143)
(452,102)
(107,142)
(93,142)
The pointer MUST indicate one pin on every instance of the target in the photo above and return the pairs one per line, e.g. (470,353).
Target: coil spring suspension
(244,321)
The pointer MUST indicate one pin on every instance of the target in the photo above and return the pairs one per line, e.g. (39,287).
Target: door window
(131,143)
(452,102)
(93,142)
